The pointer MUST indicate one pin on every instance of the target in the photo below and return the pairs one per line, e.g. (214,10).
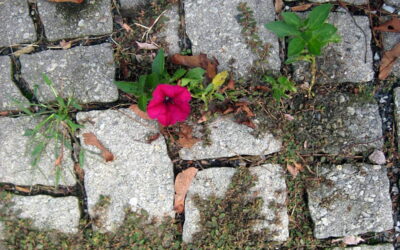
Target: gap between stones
(37,22)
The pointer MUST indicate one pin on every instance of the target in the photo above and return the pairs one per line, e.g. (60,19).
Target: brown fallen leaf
(182,184)
(59,159)
(66,1)
(186,139)
(22,189)
(292,170)
(152,137)
(387,62)
(278,6)
(200,60)
(393,25)
(65,45)
(79,171)
(288,117)
(3,113)
(203,118)
(146,46)
(25,50)
(135,108)
(91,139)
(244,106)
(262,88)
(302,7)
(349,240)
(229,86)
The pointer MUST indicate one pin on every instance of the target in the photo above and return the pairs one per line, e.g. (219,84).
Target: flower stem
(313,75)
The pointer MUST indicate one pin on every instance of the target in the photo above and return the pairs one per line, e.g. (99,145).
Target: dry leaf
(262,88)
(120,21)
(3,113)
(387,62)
(22,189)
(278,6)
(65,45)
(203,118)
(146,46)
(288,117)
(292,170)
(66,1)
(393,25)
(25,50)
(152,137)
(298,166)
(182,184)
(186,139)
(135,108)
(200,60)
(79,171)
(91,139)
(244,106)
(58,161)
(302,7)
(349,240)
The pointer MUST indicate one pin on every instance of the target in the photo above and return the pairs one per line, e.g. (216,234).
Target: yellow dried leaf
(219,79)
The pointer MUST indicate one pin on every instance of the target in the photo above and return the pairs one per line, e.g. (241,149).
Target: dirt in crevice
(37,22)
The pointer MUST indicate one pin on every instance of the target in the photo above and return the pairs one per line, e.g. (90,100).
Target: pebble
(377,157)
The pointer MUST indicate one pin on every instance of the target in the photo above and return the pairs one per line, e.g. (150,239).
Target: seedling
(307,37)
(56,124)
(280,86)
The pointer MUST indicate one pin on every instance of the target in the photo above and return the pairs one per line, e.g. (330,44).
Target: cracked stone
(390,40)
(229,138)
(140,177)
(69,20)
(15,160)
(367,247)
(129,7)
(16,25)
(396,93)
(218,33)
(170,31)
(347,61)
(395,3)
(47,213)
(355,2)
(350,201)
(216,181)
(9,92)
(86,73)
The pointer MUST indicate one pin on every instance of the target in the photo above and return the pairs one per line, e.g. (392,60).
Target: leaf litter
(182,184)
(91,139)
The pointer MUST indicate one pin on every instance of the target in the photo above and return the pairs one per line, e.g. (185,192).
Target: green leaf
(73,126)
(76,105)
(46,79)
(282,29)
(269,79)
(130,87)
(60,101)
(291,19)
(142,102)
(195,73)
(325,32)
(296,46)
(209,88)
(219,96)
(81,157)
(158,64)
(318,16)
(315,46)
(152,81)
(177,75)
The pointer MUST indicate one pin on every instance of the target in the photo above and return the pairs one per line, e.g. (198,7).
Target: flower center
(168,100)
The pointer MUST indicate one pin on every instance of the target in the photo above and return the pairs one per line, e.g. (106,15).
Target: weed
(280,86)
(56,124)
(307,37)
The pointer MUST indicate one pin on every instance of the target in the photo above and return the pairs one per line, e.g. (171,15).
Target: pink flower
(170,104)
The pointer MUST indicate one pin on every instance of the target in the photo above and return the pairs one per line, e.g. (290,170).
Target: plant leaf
(219,79)
(158,64)
(315,46)
(291,18)
(142,102)
(296,46)
(318,16)
(177,75)
(91,139)
(130,87)
(282,29)
(182,184)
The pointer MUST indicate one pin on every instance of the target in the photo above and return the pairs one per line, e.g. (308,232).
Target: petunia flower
(170,104)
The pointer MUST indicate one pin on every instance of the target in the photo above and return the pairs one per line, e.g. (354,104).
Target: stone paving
(352,200)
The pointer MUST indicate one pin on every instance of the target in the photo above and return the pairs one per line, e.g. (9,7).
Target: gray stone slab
(395,3)
(216,181)
(9,91)
(16,25)
(351,200)
(67,20)
(343,125)
(218,33)
(355,2)
(391,39)
(170,32)
(140,177)
(344,61)
(396,95)
(128,7)
(87,73)
(368,247)
(15,158)
(48,213)
(228,138)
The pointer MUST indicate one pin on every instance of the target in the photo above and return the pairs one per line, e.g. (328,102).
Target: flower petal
(154,109)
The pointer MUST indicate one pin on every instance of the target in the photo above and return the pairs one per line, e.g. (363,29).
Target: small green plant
(307,37)
(55,124)
(280,86)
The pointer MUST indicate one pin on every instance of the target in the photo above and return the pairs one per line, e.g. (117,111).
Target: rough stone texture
(229,138)
(390,39)
(69,20)
(393,2)
(170,32)
(218,33)
(367,247)
(130,6)
(9,90)
(353,199)
(344,61)
(16,25)
(140,177)
(396,94)
(48,213)
(216,181)
(356,2)
(344,125)
(377,157)
(15,158)
(87,73)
